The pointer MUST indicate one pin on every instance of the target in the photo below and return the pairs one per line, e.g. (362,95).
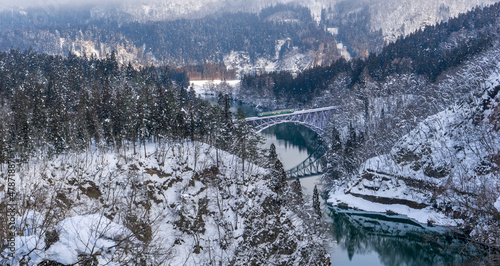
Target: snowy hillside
(443,172)
(293,61)
(402,17)
(171,207)
(154,10)
(394,17)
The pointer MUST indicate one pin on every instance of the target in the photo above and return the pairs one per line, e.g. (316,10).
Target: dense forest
(427,53)
(178,42)
(354,29)
(54,104)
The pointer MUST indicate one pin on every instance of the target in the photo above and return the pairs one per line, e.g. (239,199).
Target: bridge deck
(294,113)
(316,119)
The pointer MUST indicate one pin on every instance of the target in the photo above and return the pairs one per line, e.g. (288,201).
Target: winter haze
(203,132)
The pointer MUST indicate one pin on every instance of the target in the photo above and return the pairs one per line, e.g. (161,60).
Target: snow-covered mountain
(52,34)
(445,171)
(402,17)
(393,17)
(154,10)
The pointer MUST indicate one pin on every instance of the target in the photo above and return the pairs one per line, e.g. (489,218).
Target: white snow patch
(212,87)
(420,215)
(87,234)
(333,31)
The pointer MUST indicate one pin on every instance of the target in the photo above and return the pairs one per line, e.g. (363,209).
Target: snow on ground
(497,204)
(77,235)
(102,204)
(443,161)
(212,87)
(420,215)
(168,169)
(86,234)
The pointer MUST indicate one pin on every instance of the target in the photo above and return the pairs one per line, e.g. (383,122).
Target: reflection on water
(289,154)
(293,145)
(295,136)
(393,239)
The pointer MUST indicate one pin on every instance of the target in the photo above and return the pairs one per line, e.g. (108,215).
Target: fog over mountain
(394,17)
(45,3)
(232,4)
(172,9)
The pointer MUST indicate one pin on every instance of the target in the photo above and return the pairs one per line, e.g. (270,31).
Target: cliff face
(446,171)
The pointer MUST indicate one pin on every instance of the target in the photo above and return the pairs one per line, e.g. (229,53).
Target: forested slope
(269,35)
(426,53)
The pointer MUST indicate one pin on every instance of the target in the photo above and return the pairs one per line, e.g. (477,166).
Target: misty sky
(56,3)
(29,3)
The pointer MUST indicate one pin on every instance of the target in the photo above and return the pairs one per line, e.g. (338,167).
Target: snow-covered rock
(73,237)
(293,61)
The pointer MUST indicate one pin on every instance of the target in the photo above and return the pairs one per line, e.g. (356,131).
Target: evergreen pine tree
(316,205)
(278,180)
(297,191)
(273,156)
(227,111)
(336,144)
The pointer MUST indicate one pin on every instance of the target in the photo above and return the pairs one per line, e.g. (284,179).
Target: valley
(170,133)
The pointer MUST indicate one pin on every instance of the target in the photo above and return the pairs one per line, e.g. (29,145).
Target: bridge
(313,165)
(315,119)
